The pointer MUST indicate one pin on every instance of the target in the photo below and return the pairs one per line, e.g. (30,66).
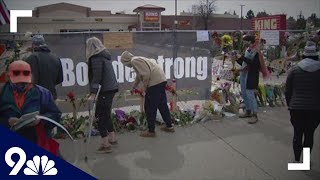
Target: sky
(289,7)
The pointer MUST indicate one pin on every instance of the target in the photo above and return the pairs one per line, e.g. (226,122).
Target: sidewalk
(231,149)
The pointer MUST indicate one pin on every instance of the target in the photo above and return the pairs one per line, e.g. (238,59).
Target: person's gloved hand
(13,120)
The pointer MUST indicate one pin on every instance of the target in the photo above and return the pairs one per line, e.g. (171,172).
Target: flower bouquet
(210,110)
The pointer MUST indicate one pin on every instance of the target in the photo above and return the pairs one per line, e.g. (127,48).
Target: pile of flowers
(132,121)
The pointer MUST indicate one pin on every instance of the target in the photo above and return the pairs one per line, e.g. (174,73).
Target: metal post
(241,25)
(175,38)
(175,52)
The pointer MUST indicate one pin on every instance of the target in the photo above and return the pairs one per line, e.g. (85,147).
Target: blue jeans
(243,85)
(252,102)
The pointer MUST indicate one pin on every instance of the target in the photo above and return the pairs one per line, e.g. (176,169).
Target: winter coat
(101,73)
(303,86)
(37,99)
(46,69)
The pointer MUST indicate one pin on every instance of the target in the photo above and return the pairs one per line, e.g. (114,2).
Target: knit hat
(38,40)
(126,58)
(310,49)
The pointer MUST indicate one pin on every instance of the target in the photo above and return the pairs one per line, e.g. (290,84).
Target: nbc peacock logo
(37,166)
(40,166)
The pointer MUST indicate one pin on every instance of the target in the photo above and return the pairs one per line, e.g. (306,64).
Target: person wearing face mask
(251,63)
(19,97)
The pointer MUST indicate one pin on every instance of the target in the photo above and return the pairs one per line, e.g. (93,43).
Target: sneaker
(148,134)
(253,119)
(167,129)
(103,149)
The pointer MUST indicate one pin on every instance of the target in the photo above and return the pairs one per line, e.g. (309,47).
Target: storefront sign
(274,23)
(151,16)
(269,23)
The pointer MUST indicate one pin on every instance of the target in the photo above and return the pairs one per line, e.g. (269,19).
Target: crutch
(91,119)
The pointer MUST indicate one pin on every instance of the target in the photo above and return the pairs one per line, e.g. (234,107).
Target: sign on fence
(271,37)
(191,68)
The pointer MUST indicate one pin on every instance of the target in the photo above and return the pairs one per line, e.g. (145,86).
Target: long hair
(94,47)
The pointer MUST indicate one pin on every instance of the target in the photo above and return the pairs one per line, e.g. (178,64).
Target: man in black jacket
(303,98)
(46,67)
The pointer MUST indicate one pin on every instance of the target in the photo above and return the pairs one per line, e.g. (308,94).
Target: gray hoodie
(309,65)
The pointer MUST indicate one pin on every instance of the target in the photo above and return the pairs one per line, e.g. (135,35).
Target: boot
(253,119)
(247,114)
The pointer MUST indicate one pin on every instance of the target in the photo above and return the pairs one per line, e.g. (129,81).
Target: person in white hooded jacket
(154,81)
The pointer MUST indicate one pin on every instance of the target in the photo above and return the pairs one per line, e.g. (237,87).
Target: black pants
(156,98)
(103,113)
(304,122)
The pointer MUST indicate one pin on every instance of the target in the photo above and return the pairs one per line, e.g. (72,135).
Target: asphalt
(230,149)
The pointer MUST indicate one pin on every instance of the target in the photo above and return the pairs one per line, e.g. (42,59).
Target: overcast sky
(289,7)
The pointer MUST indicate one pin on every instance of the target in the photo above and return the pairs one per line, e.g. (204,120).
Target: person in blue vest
(19,97)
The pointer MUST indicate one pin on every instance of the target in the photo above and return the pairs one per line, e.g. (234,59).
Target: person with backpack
(18,97)
(46,67)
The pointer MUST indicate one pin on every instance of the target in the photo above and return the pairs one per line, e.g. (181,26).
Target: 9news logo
(37,166)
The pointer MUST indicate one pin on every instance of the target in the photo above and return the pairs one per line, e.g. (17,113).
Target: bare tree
(205,10)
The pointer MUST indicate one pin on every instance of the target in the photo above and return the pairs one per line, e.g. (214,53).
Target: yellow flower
(226,40)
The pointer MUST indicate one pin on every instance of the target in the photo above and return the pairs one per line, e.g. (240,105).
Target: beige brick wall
(63,14)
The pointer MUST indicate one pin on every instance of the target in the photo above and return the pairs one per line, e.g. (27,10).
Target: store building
(65,17)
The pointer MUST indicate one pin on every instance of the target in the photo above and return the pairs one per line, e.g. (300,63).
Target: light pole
(241,25)
(175,53)
(175,14)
